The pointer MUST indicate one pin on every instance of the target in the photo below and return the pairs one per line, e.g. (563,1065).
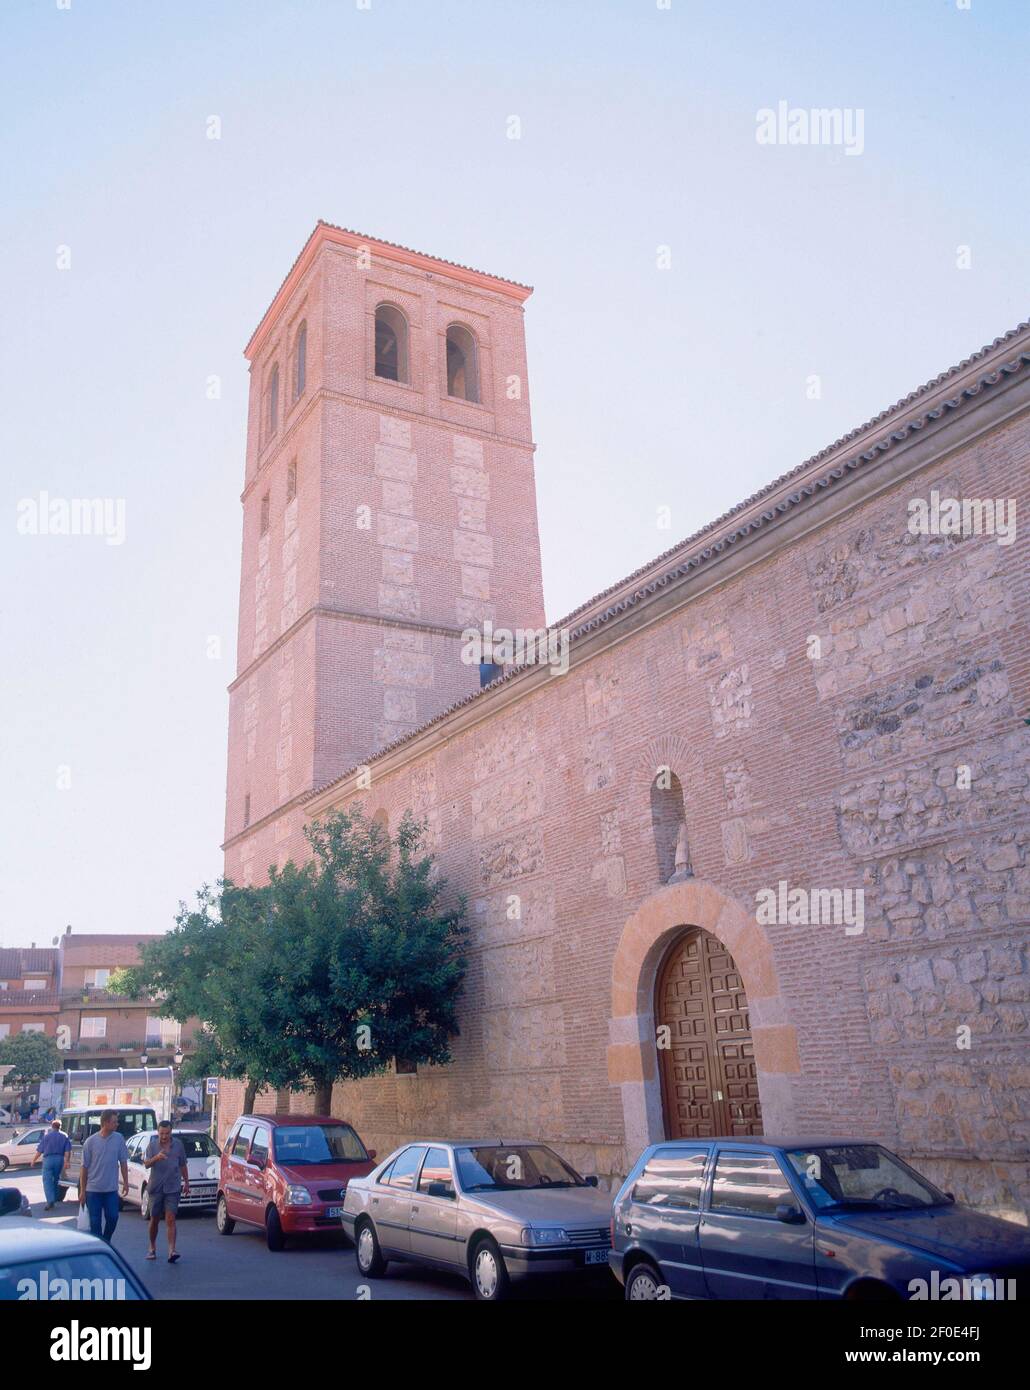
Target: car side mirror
(950,1196)
(789,1213)
(258,1162)
(591,1181)
(439,1189)
(371,1155)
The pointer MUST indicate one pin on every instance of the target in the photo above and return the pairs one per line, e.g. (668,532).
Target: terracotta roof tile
(16,961)
(396,245)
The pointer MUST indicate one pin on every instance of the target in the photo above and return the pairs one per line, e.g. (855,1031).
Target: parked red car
(288,1174)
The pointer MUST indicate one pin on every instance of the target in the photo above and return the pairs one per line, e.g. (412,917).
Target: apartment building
(64,991)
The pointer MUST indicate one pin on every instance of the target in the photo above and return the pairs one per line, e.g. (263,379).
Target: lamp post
(177,1059)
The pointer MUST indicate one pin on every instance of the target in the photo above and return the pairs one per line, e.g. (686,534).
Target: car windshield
(199,1145)
(130,1122)
(301,1146)
(500,1168)
(88,1276)
(861,1177)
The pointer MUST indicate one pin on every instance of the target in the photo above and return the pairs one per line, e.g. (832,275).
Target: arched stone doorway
(706,1055)
(660,921)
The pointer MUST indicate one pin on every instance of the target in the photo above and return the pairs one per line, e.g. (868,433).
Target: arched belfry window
(669,824)
(462,364)
(273,401)
(300,361)
(391,344)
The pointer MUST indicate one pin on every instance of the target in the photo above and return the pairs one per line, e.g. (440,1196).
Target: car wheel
(4,1163)
(369,1256)
(490,1282)
(226,1225)
(643,1284)
(274,1230)
(144,1204)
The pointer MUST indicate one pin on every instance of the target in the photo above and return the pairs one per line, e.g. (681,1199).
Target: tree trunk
(249,1097)
(323,1101)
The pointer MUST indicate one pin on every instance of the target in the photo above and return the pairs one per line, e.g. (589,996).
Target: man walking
(54,1148)
(169,1175)
(102,1155)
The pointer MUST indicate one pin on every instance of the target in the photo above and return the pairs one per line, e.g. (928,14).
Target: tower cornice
(326,233)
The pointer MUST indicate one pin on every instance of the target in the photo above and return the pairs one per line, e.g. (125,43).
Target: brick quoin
(828,766)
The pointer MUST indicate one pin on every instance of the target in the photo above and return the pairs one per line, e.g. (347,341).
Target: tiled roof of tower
(391,250)
(426,255)
(627,599)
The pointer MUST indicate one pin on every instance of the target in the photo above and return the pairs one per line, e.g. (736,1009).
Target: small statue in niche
(682,867)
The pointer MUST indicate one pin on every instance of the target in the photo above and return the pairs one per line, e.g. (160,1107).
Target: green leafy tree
(202,969)
(31,1056)
(326,973)
(119,981)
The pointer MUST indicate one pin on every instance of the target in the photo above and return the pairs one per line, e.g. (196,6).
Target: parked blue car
(802,1218)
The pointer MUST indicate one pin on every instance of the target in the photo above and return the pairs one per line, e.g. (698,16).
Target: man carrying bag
(102,1155)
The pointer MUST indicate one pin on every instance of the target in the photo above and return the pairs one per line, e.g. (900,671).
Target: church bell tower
(389,503)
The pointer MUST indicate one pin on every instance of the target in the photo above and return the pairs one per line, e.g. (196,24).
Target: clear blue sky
(683,388)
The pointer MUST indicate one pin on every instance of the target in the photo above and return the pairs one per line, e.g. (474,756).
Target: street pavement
(242,1266)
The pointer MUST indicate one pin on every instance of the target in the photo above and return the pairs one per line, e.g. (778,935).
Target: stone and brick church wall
(842,769)
(846,712)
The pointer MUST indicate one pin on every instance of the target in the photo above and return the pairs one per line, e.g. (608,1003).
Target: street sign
(211,1086)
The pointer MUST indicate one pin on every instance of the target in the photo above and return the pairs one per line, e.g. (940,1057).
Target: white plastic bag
(82,1220)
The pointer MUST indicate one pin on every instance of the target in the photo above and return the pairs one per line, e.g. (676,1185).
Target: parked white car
(20,1149)
(203,1162)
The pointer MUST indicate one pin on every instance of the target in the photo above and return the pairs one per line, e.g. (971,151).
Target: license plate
(595,1257)
(336,1212)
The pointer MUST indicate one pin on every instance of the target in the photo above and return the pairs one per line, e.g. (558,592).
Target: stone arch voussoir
(646,937)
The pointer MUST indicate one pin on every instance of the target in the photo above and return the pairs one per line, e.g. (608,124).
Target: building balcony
(28,1000)
(110,1047)
(93,996)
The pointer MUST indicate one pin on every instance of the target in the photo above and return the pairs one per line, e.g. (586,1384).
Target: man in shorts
(169,1176)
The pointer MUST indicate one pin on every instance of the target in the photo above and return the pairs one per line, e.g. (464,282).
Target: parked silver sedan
(489,1211)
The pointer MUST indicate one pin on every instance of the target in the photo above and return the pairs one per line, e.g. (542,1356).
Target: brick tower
(389,502)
